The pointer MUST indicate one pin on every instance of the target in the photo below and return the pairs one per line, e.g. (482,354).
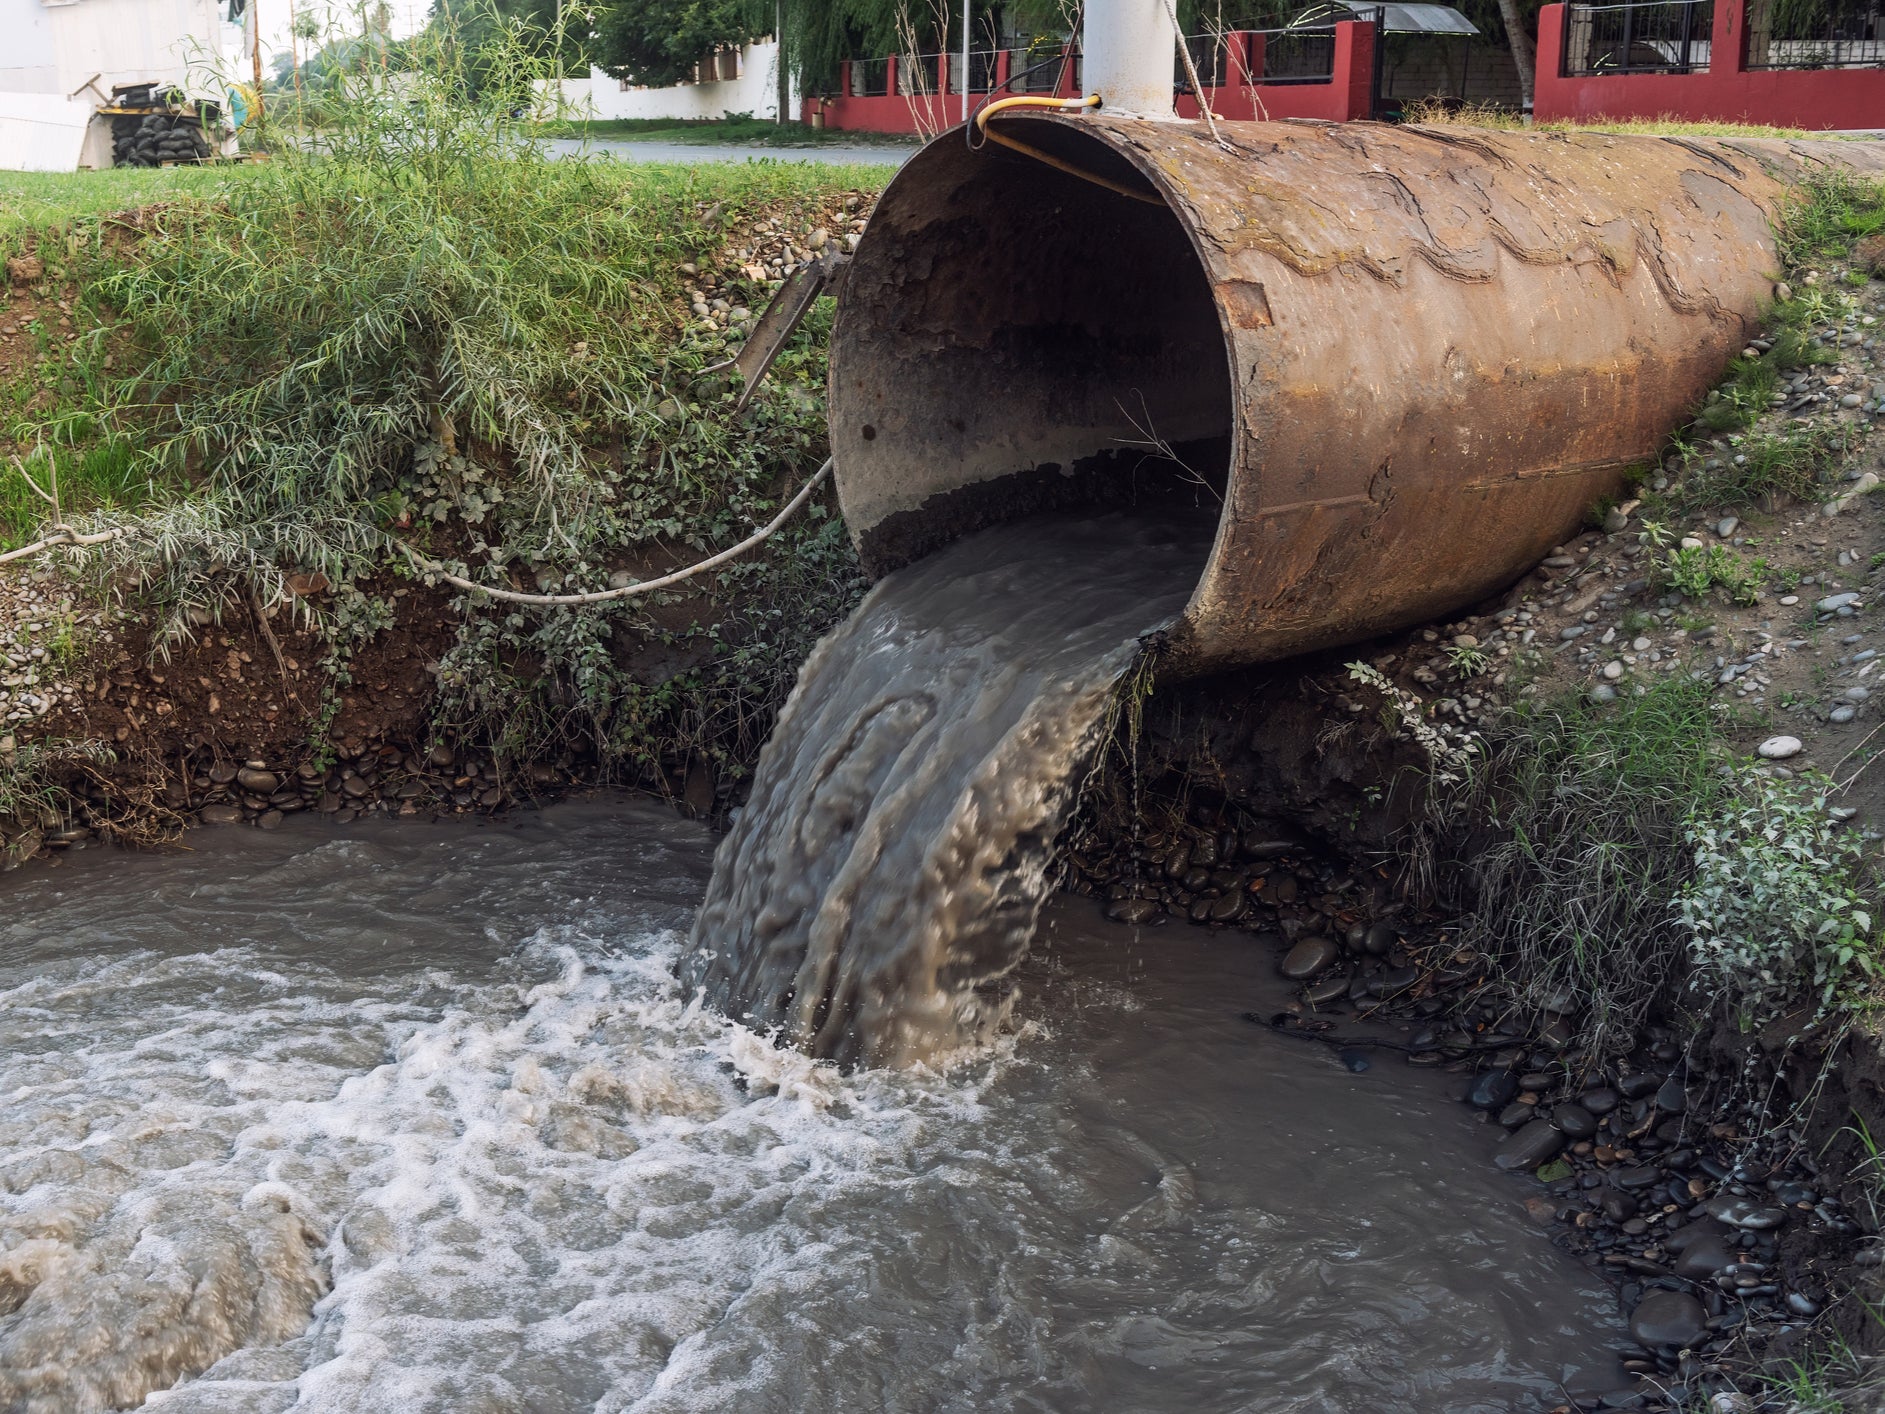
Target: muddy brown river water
(416,1118)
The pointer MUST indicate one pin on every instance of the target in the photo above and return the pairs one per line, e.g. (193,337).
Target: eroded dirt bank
(1718,1172)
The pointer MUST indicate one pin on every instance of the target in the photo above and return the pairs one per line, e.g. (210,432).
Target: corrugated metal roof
(1396,18)
(1426,19)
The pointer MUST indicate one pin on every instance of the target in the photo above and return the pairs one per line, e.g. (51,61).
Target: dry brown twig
(62,534)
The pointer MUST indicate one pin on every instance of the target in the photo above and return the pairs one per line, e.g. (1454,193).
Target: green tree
(658,42)
(479,29)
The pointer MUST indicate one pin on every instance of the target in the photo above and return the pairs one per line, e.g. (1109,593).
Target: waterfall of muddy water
(882,881)
(417,1120)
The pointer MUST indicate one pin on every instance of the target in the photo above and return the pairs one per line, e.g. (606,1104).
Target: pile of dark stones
(152,139)
(360,780)
(1342,932)
(1720,1242)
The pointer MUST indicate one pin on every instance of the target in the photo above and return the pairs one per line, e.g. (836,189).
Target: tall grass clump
(1578,811)
(1621,857)
(416,271)
(1830,210)
(412,327)
(415,322)
(1792,462)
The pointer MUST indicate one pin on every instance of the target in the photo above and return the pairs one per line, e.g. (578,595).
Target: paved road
(627,150)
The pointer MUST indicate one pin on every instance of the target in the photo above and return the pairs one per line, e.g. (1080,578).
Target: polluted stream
(423,1116)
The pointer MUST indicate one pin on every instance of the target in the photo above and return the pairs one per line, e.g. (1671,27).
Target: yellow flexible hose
(1092,100)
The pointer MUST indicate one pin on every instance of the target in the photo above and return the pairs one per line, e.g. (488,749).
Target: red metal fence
(1705,62)
(1702,60)
(1321,73)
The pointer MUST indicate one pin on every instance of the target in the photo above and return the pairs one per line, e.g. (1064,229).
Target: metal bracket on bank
(783,314)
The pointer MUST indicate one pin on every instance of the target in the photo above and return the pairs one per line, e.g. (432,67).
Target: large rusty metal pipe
(1405,360)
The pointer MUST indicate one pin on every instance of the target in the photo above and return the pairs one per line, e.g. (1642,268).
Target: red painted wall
(1348,95)
(1727,93)
(903,112)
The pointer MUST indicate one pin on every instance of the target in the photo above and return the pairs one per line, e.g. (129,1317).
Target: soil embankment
(1722,1177)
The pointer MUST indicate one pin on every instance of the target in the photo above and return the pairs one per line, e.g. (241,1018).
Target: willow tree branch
(61,535)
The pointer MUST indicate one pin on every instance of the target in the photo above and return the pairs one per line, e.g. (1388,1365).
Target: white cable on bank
(646,586)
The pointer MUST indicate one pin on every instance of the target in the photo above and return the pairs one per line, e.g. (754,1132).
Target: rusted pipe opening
(1013,338)
(1404,362)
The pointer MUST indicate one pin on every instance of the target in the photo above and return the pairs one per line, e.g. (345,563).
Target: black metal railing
(981,71)
(1300,54)
(1211,55)
(918,74)
(1648,37)
(870,78)
(1816,34)
(1045,62)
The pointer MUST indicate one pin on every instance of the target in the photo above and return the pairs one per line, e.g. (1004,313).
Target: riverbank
(1607,844)
(1488,827)
(278,626)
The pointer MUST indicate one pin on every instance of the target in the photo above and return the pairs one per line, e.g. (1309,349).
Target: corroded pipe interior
(1404,362)
(1017,339)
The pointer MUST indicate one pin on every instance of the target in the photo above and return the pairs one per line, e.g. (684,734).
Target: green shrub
(1774,910)
(1694,570)
(1562,839)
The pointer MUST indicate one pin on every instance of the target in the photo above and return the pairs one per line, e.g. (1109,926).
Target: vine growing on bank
(424,328)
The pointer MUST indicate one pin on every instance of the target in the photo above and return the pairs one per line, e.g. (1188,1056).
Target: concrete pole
(966,21)
(1127,56)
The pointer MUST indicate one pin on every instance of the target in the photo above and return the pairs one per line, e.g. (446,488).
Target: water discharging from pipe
(884,878)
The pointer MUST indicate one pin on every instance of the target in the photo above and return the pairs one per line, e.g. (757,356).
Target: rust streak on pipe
(1406,360)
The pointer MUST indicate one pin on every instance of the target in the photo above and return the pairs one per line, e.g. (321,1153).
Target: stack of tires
(152,139)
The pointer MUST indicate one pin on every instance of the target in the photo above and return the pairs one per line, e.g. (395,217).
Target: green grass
(31,201)
(431,332)
(1586,803)
(1829,212)
(736,130)
(1830,1378)
(100,477)
(1790,462)
(1487,116)
(1676,127)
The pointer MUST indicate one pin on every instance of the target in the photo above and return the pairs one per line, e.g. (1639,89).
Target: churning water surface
(417,1118)
(882,882)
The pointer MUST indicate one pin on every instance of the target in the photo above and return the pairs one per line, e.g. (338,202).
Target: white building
(59,60)
(744,80)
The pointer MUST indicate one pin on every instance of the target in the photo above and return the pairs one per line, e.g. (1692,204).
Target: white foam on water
(533,1194)
(261,1151)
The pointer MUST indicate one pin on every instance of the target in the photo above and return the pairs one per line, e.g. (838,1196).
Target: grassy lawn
(30,200)
(431,335)
(734,131)
(535,300)
(1476,116)
(1673,127)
